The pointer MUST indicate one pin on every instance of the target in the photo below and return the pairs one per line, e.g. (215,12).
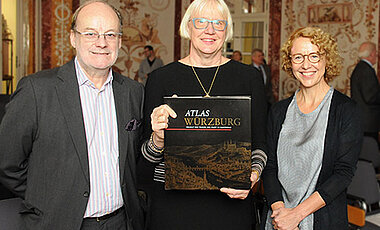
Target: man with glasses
(69,136)
(150,63)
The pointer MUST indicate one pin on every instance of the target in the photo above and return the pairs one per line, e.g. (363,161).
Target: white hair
(366,49)
(364,53)
(198,6)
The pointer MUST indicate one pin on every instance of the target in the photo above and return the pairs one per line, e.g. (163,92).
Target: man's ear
(72,39)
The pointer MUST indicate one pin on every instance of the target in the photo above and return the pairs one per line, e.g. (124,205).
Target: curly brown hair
(327,45)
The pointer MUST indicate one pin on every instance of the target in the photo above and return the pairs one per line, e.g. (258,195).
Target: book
(208,145)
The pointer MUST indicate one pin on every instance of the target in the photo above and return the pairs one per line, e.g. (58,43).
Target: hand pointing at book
(159,121)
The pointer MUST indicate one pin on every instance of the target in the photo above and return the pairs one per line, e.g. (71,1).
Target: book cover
(208,145)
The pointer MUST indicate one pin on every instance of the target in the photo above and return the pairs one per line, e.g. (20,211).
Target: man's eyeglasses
(300,58)
(202,23)
(94,36)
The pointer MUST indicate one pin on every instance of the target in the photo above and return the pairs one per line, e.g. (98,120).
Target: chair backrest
(10,218)
(364,183)
(370,151)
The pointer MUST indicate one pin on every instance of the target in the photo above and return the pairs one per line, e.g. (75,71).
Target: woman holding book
(314,139)
(204,72)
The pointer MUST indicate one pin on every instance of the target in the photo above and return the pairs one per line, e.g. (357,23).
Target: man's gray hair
(366,49)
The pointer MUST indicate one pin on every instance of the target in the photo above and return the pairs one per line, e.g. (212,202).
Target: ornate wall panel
(146,22)
(351,22)
(56,20)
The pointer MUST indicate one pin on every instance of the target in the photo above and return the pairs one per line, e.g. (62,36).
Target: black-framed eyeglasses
(314,57)
(202,23)
(94,36)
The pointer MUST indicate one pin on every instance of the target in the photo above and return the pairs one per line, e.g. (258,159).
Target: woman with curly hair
(314,139)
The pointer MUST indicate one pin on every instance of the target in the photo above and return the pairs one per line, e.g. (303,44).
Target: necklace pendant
(212,83)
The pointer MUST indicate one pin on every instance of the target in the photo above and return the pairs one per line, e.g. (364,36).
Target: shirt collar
(82,77)
(369,63)
(254,64)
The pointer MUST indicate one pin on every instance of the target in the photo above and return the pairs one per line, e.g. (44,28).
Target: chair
(370,151)
(364,185)
(356,216)
(363,193)
(10,218)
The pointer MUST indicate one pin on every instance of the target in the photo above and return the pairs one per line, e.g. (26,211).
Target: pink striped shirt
(99,115)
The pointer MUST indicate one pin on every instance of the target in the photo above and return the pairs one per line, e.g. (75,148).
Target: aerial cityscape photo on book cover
(208,145)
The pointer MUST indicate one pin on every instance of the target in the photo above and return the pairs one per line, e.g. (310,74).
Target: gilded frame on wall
(330,13)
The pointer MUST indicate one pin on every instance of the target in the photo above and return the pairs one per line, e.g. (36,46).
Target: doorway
(21,41)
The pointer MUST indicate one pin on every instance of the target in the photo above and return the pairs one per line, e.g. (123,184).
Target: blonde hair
(198,6)
(327,45)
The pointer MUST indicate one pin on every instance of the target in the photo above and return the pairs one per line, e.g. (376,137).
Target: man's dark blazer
(365,90)
(43,154)
(268,84)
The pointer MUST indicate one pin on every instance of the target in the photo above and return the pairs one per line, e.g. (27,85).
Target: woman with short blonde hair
(204,72)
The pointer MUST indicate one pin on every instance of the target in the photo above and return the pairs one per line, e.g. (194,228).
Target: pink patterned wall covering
(351,22)
(146,22)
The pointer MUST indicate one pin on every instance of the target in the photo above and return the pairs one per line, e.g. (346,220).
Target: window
(250,27)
